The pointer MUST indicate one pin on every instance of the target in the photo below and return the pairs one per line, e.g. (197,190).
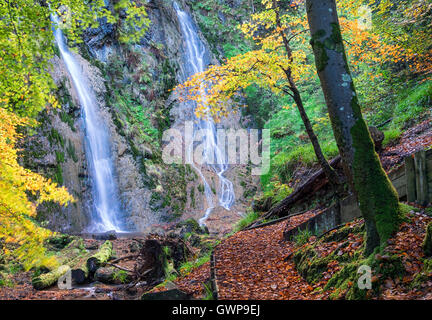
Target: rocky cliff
(133,87)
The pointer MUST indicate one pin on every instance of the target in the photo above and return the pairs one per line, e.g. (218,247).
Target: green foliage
(208,292)
(66,118)
(222,35)
(26,86)
(247,220)
(188,266)
(121,276)
(391,136)
(71,151)
(414,105)
(60,157)
(302,237)
(424,275)
(5,280)
(427,242)
(138,118)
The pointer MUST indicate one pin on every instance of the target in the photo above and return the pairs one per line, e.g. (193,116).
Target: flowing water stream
(195,61)
(106,205)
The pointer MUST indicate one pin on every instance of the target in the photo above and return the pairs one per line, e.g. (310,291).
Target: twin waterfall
(106,205)
(106,208)
(195,62)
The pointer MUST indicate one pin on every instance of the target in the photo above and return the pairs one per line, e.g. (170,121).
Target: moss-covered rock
(427,242)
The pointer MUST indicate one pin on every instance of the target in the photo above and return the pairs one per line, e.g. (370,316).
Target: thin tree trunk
(295,93)
(377,198)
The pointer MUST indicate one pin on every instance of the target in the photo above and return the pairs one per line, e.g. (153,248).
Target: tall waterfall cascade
(106,207)
(195,62)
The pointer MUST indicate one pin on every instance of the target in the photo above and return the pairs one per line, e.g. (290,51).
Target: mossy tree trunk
(377,198)
(100,257)
(48,279)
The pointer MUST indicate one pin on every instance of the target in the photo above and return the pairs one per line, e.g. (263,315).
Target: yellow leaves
(16,183)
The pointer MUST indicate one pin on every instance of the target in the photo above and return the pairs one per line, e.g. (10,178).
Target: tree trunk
(377,198)
(80,270)
(48,279)
(295,94)
(328,170)
(102,256)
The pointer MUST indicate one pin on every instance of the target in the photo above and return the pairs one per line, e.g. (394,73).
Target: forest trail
(253,264)
(257,264)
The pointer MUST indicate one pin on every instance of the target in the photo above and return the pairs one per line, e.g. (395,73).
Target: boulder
(427,242)
(109,235)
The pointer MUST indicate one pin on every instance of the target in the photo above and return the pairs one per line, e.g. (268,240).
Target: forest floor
(22,288)
(258,263)
(253,264)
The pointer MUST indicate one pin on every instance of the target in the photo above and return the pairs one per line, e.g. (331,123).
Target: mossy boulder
(427,242)
(190,226)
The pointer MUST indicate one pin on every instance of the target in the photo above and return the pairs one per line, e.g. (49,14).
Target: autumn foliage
(370,49)
(21,191)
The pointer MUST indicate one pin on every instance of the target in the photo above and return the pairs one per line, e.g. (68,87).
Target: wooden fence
(412,180)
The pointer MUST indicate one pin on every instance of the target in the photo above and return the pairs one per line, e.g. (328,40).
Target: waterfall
(195,62)
(106,206)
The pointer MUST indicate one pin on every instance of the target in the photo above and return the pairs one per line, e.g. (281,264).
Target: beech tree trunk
(377,198)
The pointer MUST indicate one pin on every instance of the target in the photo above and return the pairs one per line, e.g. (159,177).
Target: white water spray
(106,207)
(213,156)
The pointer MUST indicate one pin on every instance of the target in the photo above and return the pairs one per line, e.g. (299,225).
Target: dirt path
(251,265)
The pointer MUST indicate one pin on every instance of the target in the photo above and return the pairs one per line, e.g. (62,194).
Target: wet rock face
(100,40)
(56,150)
(146,189)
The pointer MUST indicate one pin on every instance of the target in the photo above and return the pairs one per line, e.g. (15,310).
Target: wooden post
(421,178)
(410,179)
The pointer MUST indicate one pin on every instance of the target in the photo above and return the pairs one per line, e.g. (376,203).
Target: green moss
(424,275)
(70,149)
(309,265)
(345,285)
(342,233)
(121,276)
(58,177)
(332,42)
(378,199)
(321,57)
(54,137)
(391,135)
(60,157)
(427,242)
(247,220)
(60,241)
(191,225)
